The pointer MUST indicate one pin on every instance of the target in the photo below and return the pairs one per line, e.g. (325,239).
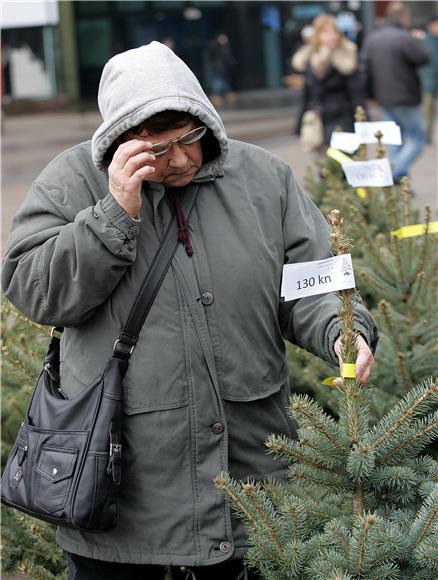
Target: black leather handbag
(66,463)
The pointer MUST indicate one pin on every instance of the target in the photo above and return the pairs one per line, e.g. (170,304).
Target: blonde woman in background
(332,84)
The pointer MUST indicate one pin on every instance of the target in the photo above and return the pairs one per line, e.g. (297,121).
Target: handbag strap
(125,344)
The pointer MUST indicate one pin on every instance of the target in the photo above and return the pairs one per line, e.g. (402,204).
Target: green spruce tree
(399,284)
(328,187)
(362,502)
(402,274)
(28,544)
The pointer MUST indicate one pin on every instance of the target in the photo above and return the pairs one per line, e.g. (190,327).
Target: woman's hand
(127,170)
(365,359)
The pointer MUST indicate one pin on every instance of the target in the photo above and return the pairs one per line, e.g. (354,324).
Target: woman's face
(329,36)
(177,167)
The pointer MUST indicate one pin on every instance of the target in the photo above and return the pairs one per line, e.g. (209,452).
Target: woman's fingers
(138,162)
(364,361)
(129,167)
(130,149)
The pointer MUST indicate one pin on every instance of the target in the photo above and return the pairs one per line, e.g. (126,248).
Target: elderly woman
(332,85)
(208,379)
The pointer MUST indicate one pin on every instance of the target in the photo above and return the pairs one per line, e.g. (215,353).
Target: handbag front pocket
(55,468)
(50,469)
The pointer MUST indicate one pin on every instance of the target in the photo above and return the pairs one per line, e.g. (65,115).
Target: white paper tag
(348,142)
(318,277)
(391,132)
(373,173)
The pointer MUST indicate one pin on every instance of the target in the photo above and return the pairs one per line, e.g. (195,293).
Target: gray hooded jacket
(208,379)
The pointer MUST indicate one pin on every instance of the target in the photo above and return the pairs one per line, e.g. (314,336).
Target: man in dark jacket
(391,59)
(429,77)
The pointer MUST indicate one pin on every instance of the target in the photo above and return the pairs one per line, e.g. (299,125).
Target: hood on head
(141,82)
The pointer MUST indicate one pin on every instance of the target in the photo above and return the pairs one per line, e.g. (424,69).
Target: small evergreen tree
(362,503)
(28,544)
(399,284)
(403,273)
(400,277)
(29,547)
(328,187)
(23,346)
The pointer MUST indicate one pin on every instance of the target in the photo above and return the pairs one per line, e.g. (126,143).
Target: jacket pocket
(280,400)
(249,425)
(262,376)
(155,380)
(154,387)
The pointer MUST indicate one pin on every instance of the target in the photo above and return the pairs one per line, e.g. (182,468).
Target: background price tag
(318,277)
(366,131)
(373,173)
(348,142)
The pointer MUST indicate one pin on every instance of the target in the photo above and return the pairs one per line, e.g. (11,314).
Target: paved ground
(30,141)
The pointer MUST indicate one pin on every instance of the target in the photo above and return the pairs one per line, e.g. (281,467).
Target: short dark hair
(396,11)
(156,124)
(163,121)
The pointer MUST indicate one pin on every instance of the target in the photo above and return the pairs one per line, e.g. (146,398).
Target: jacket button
(207,298)
(217,428)
(133,231)
(225,547)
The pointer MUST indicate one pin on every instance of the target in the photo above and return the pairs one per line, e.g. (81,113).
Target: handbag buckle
(114,464)
(56,332)
(115,449)
(123,350)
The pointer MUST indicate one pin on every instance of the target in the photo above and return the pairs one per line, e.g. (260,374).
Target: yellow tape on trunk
(338,155)
(348,371)
(361,192)
(415,230)
(330,381)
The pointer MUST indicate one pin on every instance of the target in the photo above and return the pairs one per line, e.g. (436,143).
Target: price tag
(366,131)
(348,142)
(373,173)
(317,277)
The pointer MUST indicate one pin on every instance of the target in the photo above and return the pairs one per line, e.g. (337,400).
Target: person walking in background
(391,59)
(429,78)
(332,83)
(221,62)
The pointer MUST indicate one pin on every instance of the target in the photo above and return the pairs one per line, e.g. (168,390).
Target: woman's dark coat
(208,379)
(336,94)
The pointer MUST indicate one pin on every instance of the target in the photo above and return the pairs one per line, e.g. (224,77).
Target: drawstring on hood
(174,196)
(141,82)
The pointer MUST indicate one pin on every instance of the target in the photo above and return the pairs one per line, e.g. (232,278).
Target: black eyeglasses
(187,139)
